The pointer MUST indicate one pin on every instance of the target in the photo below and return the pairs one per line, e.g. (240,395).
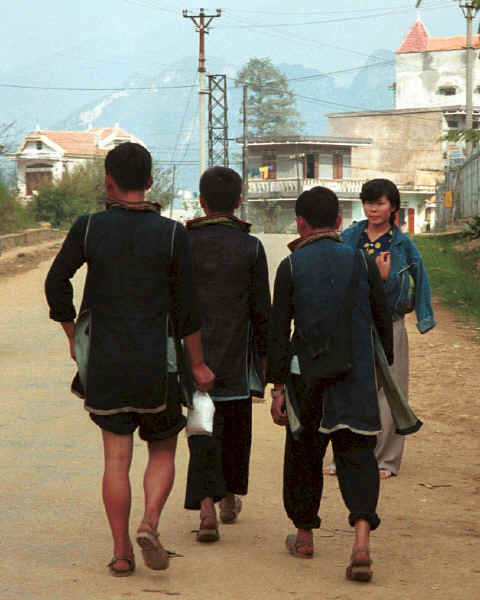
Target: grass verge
(454,276)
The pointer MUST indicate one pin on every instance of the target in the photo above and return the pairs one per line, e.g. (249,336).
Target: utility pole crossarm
(202,22)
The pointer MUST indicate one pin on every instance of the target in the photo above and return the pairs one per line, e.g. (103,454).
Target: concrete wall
(30,237)
(406,146)
(420,74)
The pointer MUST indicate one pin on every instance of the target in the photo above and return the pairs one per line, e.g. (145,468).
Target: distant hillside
(167,119)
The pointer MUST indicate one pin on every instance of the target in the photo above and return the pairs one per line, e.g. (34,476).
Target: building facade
(44,156)
(280,168)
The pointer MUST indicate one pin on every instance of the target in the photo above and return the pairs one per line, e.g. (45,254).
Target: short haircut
(374,189)
(221,189)
(318,206)
(130,165)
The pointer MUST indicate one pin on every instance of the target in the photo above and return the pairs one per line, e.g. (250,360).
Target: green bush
(78,192)
(13,215)
(472,228)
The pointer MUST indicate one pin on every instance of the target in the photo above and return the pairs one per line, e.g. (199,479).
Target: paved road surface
(53,533)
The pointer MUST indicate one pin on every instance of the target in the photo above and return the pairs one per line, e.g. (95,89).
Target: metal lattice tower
(217,121)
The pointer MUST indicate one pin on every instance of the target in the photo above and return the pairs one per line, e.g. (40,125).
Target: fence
(464,181)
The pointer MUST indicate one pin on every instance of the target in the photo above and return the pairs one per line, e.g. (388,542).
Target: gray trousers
(390,445)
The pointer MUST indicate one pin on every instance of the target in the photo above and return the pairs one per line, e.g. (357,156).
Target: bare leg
(362,539)
(159,477)
(116,491)
(207,507)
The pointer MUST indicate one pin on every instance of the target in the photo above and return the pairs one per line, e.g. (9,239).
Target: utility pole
(469,12)
(469,9)
(244,205)
(202,22)
(174,169)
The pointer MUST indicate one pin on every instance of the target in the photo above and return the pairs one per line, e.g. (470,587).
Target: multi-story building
(280,168)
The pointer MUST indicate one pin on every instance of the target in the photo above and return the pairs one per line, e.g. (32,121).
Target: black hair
(130,165)
(374,189)
(318,206)
(221,189)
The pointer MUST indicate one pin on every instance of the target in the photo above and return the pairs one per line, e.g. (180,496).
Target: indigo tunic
(138,286)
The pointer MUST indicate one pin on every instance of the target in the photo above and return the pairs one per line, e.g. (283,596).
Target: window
(270,161)
(447,90)
(39,145)
(477,89)
(310,166)
(452,124)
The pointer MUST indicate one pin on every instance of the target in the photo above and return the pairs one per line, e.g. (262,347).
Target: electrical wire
(325,21)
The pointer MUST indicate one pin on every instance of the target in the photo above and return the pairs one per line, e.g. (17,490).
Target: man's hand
(71,343)
(69,329)
(204,378)
(278,410)
(384,262)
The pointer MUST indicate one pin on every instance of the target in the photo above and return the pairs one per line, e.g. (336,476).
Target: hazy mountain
(167,119)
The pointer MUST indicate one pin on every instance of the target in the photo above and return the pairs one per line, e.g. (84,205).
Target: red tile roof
(418,40)
(80,143)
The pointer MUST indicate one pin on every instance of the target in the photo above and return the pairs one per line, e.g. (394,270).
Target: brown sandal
(360,570)
(229,513)
(293,547)
(122,572)
(208,534)
(154,554)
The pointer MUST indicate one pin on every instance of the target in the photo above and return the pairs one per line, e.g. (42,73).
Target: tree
(271,104)
(162,190)
(79,191)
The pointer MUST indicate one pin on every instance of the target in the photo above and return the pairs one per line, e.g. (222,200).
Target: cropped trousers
(303,467)
(219,464)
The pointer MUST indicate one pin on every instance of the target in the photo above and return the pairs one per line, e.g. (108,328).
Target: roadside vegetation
(59,203)
(453,266)
(14,216)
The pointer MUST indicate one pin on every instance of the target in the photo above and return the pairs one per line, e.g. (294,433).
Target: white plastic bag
(200,417)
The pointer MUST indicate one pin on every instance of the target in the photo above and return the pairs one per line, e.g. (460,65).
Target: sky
(107,43)
(321,34)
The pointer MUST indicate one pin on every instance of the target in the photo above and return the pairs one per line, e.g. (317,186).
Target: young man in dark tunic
(231,276)
(313,286)
(138,290)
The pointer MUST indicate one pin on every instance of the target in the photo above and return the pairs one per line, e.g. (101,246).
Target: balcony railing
(291,187)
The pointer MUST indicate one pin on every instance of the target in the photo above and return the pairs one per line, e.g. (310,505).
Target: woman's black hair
(374,189)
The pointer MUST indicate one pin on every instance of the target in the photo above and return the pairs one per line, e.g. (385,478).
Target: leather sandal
(122,572)
(293,547)
(229,512)
(154,554)
(208,534)
(360,570)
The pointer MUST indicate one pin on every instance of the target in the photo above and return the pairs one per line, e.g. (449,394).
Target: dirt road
(53,533)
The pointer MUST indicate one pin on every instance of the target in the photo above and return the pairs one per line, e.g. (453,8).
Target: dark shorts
(152,426)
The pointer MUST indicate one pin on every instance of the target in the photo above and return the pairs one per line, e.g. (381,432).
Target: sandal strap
(129,559)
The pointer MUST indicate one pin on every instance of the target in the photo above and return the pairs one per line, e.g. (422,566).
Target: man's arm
(184,310)
(58,289)
(259,300)
(279,354)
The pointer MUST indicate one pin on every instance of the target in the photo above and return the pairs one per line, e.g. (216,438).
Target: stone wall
(29,237)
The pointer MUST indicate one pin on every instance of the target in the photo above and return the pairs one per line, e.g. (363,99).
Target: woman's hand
(384,262)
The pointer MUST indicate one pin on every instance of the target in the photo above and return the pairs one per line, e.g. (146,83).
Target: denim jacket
(404,256)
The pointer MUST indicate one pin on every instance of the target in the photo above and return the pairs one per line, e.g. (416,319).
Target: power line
(323,12)
(79,89)
(326,21)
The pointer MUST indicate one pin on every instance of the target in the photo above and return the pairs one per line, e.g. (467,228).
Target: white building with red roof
(431,71)
(45,155)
